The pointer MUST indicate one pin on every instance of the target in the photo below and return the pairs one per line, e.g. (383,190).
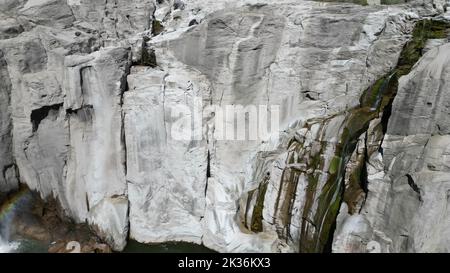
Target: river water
(6,247)
(32,246)
(23,246)
(135,247)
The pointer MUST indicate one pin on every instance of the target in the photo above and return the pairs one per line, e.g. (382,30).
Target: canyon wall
(93,94)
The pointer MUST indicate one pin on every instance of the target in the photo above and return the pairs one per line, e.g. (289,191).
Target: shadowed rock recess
(361,161)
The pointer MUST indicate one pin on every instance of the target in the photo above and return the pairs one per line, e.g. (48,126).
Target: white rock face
(95,114)
(287,55)
(8,179)
(63,101)
(166,178)
(408,181)
(113,108)
(113,19)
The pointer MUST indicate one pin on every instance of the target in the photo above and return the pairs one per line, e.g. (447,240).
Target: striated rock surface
(120,111)
(62,107)
(286,55)
(8,179)
(407,176)
(166,178)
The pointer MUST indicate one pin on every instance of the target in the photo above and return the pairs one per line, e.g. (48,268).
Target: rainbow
(7,208)
(10,203)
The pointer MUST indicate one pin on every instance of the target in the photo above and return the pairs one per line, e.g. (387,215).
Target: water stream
(7,247)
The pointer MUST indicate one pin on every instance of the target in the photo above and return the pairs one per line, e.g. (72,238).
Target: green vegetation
(413,50)
(157,27)
(334,165)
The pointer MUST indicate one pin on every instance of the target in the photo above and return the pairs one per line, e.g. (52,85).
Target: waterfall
(5,245)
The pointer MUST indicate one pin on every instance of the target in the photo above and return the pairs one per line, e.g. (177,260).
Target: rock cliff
(118,110)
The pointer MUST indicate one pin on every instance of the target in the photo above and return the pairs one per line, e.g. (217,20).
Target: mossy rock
(157,27)
(335,165)
(413,50)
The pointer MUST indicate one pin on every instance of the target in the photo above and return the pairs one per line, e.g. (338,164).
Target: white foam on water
(7,247)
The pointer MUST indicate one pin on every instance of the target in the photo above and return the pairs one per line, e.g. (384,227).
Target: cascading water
(5,245)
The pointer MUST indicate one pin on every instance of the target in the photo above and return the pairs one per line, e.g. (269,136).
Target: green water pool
(179,247)
(33,246)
